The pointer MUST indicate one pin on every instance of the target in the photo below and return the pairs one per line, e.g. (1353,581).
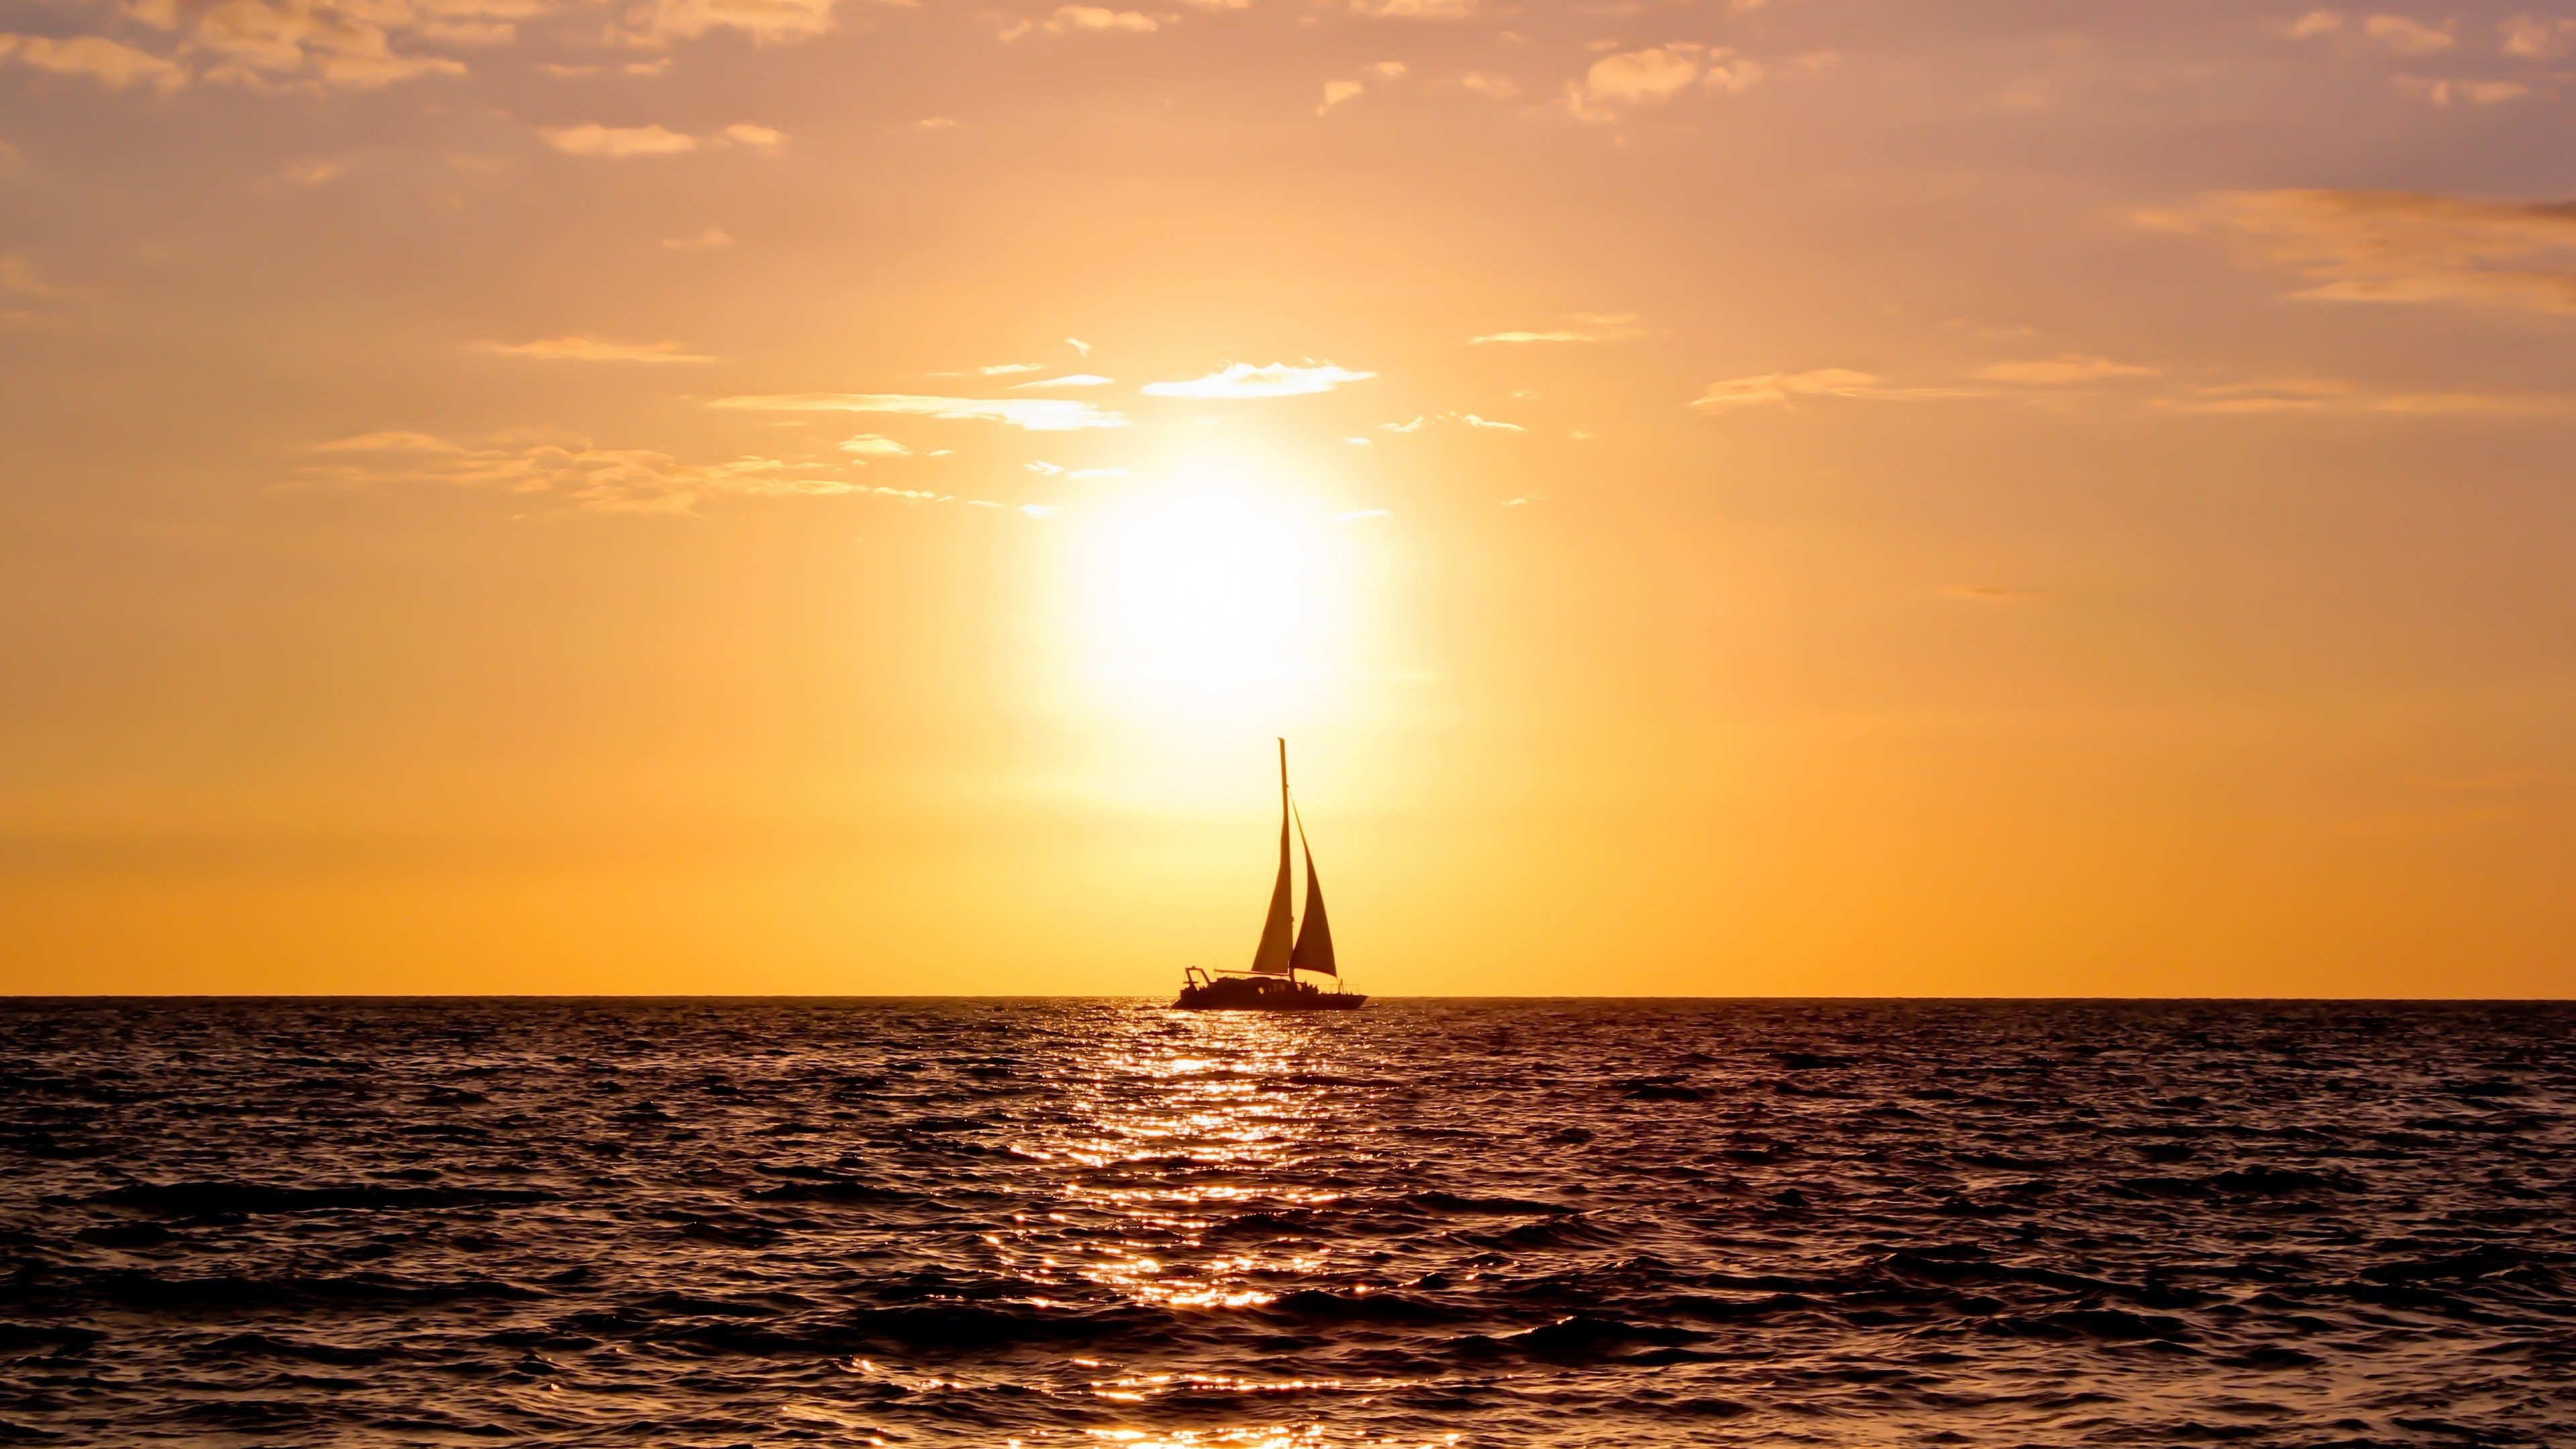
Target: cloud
(2059,371)
(393,442)
(617,143)
(587,348)
(1070,379)
(1465,420)
(2400,246)
(1489,85)
(1773,389)
(1738,76)
(2442,92)
(1653,74)
(286,45)
(19,278)
(1595,327)
(875,445)
(1080,347)
(617,480)
(1336,92)
(268,44)
(2331,395)
(767,22)
(2532,38)
(714,236)
(1414,9)
(2315,22)
(1036,414)
(1243,380)
(102,60)
(1071,18)
(2401,36)
(1000,369)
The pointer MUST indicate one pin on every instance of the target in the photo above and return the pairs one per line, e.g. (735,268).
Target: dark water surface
(689,1223)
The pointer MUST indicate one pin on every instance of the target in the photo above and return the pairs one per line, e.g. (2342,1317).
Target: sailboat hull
(1264,993)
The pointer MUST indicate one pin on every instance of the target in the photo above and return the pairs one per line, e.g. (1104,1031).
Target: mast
(1272,958)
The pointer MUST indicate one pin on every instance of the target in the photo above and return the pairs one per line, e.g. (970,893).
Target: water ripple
(1104,1223)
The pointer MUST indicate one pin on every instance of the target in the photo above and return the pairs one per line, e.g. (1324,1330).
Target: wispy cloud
(609,480)
(2312,395)
(1004,369)
(1592,327)
(307,45)
(1036,414)
(19,278)
(1658,73)
(874,445)
(1653,74)
(1070,379)
(96,57)
(624,480)
(2442,91)
(2530,37)
(2402,246)
(1243,380)
(1464,420)
(1338,91)
(2067,369)
(712,237)
(618,143)
(767,22)
(588,348)
(1414,9)
(1774,389)
(2401,36)
(1090,19)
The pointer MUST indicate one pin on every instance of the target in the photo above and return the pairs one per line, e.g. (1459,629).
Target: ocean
(1085,1222)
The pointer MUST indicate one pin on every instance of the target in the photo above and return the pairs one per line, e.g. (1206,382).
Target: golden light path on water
(1174,1133)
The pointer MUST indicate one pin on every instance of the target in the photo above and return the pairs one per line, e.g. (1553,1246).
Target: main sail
(1274,956)
(1315,939)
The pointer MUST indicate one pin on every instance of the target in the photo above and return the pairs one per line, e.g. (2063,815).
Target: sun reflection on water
(1170,1138)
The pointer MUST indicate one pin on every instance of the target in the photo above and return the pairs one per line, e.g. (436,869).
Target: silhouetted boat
(1271,983)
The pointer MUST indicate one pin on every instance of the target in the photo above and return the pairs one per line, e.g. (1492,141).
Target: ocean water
(701,1223)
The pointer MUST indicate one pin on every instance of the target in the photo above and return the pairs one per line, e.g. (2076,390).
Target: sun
(1215,590)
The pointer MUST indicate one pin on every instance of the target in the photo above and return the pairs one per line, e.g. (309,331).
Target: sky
(2010,497)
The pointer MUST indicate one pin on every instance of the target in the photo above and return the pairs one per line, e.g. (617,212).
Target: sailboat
(1287,945)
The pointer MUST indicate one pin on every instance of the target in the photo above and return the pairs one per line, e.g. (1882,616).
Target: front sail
(1315,941)
(1273,957)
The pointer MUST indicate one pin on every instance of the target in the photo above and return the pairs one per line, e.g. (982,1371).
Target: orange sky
(831,495)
